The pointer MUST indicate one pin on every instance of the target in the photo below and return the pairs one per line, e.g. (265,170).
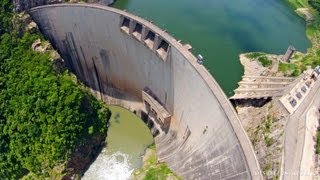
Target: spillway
(128,61)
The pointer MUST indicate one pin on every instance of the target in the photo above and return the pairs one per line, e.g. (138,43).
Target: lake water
(221,30)
(217,29)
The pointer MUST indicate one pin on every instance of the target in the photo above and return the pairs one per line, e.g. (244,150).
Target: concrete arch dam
(128,61)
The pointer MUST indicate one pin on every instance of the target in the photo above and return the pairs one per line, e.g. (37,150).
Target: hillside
(46,118)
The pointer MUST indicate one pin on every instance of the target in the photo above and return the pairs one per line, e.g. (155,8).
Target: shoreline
(151,168)
(265,125)
(312,19)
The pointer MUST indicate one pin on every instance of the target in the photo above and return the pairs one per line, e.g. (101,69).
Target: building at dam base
(128,61)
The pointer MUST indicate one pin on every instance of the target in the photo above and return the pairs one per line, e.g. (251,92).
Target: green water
(128,134)
(217,29)
(221,30)
(127,139)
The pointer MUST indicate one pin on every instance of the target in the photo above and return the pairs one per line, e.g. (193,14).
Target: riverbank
(311,15)
(299,61)
(128,138)
(152,168)
(265,125)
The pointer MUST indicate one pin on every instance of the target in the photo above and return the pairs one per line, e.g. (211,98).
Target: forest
(315,4)
(44,115)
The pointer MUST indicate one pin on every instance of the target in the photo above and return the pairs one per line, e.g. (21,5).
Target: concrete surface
(294,141)
(302,87)
(102,47)
(258,87)
(307,165)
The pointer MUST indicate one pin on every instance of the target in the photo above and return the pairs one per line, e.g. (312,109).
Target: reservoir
(221,30)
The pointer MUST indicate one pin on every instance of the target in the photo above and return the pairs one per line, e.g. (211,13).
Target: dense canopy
(315,4)
(44,115)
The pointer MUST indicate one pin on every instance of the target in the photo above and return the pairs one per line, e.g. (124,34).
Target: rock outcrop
(22,5)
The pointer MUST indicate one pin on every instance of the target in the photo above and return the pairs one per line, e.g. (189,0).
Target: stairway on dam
(261,87)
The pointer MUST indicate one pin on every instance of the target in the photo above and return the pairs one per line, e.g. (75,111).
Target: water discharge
(220,31)
(128,137)
(109,167)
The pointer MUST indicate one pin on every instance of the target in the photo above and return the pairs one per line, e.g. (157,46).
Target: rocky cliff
(22,5)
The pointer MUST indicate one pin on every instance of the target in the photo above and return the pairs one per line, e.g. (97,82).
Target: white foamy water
(127,139)
(109,167)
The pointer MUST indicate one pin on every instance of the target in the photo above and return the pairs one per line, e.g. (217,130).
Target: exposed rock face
(21,5)
(306,14)
(263,120)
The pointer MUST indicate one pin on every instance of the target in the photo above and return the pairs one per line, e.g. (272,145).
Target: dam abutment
(128,61)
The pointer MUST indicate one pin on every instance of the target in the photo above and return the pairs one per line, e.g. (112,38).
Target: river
(220,31)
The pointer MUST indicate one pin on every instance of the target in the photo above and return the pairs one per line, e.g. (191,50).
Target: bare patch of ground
(265,128)
(258,64)
(265,124)
(306,14)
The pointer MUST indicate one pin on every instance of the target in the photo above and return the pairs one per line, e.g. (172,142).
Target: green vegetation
(312,57)
(152,169)
(159,172)
(5,14)
(315,4)
(261,136)
(318,142)
(44,116)
(254,55)
(261,57)
(298,3)
(262,132)
(267,125)
(289,69)
(300,61)
(264,61)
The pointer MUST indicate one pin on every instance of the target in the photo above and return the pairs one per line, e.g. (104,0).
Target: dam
(127,61)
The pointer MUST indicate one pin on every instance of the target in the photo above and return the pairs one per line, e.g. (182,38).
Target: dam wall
(129,61)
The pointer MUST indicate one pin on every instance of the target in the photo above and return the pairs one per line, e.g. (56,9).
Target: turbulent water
(110,167)
(127,139)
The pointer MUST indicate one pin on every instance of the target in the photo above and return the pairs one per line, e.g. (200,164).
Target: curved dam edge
(216,91)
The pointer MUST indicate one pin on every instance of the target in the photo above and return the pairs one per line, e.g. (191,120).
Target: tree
(315,4)
(44,116)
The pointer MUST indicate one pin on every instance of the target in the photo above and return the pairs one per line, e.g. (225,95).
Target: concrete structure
(128,61)
(295,128)
(258,87)
(309,131)
(289,53)
(297,94)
